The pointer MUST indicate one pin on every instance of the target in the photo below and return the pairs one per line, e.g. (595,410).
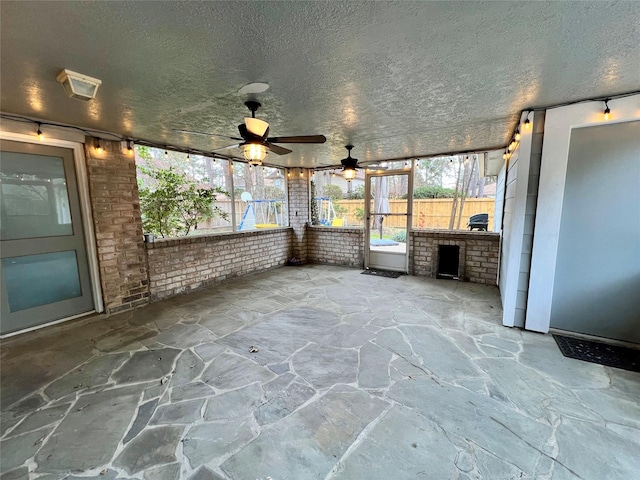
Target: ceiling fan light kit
(254,153)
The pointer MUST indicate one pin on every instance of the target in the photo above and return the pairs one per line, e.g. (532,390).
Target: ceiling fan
(349,165)
(255,140)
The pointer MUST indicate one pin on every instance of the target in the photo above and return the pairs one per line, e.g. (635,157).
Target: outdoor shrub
(176,203)
(433,192)
(400,236)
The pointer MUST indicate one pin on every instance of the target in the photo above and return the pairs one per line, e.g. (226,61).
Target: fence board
(427,213)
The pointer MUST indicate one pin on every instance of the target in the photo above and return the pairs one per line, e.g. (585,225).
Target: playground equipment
(260,213)
(326,212)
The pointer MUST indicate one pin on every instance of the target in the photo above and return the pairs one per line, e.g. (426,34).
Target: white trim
(85,205)
(513,262)
(48,324)
(559,122)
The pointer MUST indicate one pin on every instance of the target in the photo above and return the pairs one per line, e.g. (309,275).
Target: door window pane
(34,280)
(34,197)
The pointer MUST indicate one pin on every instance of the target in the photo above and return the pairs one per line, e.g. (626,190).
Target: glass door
(388,219)
(43,260)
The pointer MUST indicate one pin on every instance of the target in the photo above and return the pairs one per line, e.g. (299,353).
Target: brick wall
(118,226)
(298,210)
(478,262)
(181,265)
(336,246)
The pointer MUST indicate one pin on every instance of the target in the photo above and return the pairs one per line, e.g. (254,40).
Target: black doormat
(381,273)
(602,353)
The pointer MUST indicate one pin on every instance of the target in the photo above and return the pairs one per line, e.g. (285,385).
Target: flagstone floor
(313,372)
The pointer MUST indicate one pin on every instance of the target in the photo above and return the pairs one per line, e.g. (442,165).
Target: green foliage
(340,210)
(176,203)
(359,213)
(334,192)
(273,193)
(357,193)
(400,236)
(433,192)
(314,205)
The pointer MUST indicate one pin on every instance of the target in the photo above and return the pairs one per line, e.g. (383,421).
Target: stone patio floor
(354,377)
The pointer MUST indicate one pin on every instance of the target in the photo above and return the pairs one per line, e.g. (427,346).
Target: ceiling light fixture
(254,153)
(78,85)
(39,133)
(349,165)
(607,110)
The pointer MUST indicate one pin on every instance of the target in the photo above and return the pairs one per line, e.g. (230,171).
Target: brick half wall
(182,265)
(478,253)
(345,246)
(336,246)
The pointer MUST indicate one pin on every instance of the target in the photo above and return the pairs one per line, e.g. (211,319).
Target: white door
(44,266)
(388,220)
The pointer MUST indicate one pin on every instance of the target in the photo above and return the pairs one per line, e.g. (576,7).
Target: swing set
(327,213)
(260,213)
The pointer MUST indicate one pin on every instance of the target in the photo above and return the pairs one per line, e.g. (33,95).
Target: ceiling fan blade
(299,139)
(190,132)
(228,147)
(256,126)
(277,149)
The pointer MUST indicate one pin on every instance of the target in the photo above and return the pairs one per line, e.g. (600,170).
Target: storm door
(388,219)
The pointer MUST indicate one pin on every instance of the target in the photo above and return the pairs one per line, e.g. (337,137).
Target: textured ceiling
(395,79)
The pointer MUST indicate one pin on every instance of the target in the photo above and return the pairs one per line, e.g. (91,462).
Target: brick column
(298,183)
(122,257)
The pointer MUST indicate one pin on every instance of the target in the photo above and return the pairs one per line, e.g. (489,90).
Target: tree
(357,193)
(175,203)
(334,192)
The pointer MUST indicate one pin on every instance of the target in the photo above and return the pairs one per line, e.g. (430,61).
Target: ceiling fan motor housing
(349,162)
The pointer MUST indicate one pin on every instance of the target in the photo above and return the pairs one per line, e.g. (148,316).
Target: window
(447,191)
(173,187)
(336,201)
(260,196)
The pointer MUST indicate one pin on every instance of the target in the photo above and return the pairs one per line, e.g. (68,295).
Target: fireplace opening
(448,261)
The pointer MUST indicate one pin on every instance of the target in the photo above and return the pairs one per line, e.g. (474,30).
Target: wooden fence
(427,213)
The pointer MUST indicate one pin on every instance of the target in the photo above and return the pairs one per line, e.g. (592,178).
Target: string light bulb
(39,133)
(188,157)
(166,154)
(517,135)
(301,173)
(97,145)
(527,123)
(129,147)
(607,110)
